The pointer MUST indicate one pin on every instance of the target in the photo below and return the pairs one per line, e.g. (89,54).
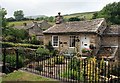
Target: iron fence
(74,69)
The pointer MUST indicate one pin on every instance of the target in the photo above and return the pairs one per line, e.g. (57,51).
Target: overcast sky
(52,7)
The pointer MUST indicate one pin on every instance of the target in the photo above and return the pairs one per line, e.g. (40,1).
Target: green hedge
(10,44)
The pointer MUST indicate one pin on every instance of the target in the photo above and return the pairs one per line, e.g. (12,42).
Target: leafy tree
(50,19)
(39,18)
(3,12)
(15,35)
(95,15)
(74,19)
(111,12)
(19,15)
(11,19)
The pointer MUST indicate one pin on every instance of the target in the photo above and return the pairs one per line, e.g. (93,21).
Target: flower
(86,50)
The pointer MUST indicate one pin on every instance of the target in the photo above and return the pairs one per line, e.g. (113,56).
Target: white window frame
(53,41)
(71,42)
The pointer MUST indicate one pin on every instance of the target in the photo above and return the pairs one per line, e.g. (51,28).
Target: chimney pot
(58,18)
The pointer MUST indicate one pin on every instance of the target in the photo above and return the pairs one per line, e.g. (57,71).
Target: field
(87,15)
(19,23)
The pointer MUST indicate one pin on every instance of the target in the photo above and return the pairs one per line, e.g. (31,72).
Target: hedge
(10,44)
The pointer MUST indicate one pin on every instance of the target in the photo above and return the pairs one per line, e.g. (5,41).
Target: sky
(52,7)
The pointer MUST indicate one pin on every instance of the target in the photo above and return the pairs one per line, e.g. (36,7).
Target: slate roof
(107,52)
(76,26)
(29,25)
(24,27)
(112,30)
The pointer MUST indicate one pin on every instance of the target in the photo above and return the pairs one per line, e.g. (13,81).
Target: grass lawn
(19,23)
(88,15)
(25,76)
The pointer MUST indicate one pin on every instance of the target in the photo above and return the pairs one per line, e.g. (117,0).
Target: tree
(95,15)
(11,19)
(39,18)
(74,19)
(50,19)
(3,12)
(19,15)
(111,12)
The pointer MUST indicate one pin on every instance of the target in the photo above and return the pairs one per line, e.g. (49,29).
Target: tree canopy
(74,19)
(111,12)
(19,15)
(3,12)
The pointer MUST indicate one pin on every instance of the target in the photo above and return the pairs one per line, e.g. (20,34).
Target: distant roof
(24,27)
(76,26)
(112,30)
(29,25)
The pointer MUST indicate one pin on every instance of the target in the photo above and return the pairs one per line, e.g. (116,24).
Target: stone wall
(64,41)
(96,41)
(110,41)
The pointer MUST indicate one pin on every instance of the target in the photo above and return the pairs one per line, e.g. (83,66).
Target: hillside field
(87,15)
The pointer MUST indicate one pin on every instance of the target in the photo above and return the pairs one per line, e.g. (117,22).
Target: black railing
(73,69)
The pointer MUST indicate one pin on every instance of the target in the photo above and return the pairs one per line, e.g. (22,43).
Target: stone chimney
(58,19)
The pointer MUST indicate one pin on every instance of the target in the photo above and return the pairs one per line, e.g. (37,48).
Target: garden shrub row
(10,44)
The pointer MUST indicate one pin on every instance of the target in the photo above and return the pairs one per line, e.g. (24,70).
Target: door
(85,42)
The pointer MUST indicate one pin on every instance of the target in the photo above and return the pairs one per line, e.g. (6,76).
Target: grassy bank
(24,76)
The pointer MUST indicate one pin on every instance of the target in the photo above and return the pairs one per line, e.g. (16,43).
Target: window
(72,41)
(55,40)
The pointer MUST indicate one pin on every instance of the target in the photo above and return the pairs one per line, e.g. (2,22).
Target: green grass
(19,23)
(24,76)
(88,15)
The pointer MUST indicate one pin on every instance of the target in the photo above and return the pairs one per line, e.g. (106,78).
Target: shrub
(50,47)
(74,64)
(10,44)
(11,59)
(72,74)
(42,51)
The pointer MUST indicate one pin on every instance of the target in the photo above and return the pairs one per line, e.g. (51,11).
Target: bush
(74,64)
(10,44)
(11,59)
(86,50)
(50,47)
(72,74)
(43,51)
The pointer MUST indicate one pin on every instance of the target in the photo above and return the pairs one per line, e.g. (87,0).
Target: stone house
(35,28)
(81,34)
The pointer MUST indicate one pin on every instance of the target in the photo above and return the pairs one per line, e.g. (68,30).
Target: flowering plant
(86,50)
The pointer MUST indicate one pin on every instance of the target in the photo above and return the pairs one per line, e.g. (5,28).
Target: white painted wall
(84,42)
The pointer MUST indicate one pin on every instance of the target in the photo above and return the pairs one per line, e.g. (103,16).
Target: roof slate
(76,26)
(113,29)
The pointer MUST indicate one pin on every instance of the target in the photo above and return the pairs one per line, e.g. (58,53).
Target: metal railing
(75,69)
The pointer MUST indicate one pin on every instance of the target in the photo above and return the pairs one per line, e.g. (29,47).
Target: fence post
(4,59)
(84,62)
(17,59)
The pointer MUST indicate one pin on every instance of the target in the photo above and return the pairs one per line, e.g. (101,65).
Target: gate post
(17,59)
(4,59)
